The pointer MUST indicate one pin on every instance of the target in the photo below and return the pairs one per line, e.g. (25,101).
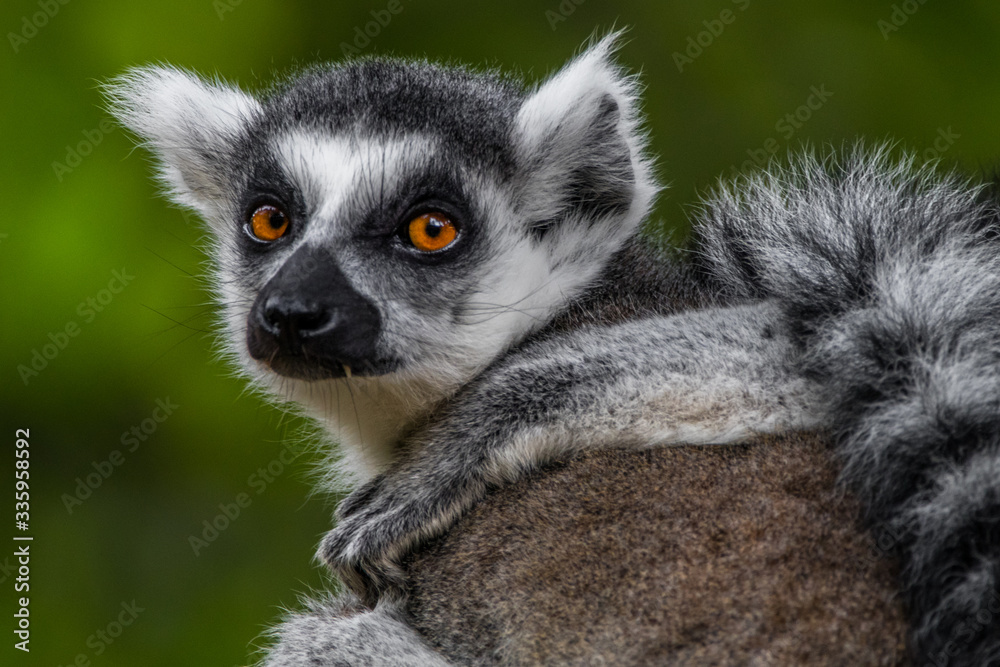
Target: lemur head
(395,225)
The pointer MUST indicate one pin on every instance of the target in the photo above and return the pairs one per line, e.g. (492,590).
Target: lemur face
(370,215)
(391,219)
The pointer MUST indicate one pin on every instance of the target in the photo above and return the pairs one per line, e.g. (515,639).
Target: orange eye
(432,231)
(268,223)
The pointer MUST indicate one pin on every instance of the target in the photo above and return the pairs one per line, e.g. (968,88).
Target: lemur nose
(309,321)
(292,320)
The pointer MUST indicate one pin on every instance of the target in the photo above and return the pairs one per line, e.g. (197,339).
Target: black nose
(309,322)
(292,320)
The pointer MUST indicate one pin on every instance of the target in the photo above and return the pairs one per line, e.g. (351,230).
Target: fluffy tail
(891,278)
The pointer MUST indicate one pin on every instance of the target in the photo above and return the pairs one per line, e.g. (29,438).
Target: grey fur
(339,632)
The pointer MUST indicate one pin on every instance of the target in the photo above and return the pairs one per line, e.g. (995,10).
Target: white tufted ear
(192,126)
(581,145)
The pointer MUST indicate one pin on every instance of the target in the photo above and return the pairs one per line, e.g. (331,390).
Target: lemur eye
(431,232)
(268,223)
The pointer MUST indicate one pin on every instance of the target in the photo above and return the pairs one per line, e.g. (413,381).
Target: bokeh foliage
(933,77)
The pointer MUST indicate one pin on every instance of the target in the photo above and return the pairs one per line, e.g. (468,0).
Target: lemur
(567,443)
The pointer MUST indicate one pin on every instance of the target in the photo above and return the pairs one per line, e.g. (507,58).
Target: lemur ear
(192,127)
(581,146)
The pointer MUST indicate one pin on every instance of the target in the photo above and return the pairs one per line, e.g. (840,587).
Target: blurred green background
(728,81)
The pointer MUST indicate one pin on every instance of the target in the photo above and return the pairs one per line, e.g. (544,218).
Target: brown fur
(723,555)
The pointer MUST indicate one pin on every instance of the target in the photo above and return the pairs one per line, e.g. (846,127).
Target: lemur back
(445,268)
(668,556)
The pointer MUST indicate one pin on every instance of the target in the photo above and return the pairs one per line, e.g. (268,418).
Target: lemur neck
(368,418)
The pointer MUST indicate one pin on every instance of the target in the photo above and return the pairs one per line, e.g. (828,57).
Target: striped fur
(891,277)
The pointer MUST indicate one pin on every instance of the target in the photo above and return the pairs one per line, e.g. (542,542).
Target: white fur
(182,119)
